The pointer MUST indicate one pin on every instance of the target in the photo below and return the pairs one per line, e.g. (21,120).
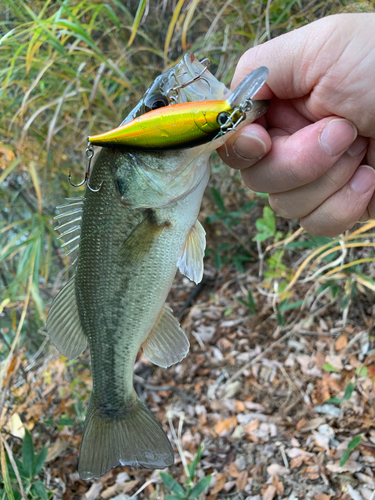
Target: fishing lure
(183,125)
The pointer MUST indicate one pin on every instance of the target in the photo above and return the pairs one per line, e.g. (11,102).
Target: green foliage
(362,371)
(347,394)
(249,303)
(190,491)
(327,367)
(348,391)
(225,253)
(351,446)
(27,470)
(265,225)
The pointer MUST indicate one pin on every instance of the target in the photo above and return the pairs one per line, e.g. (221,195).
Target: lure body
(172,127)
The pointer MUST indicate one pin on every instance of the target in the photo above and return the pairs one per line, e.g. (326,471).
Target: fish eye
(223,119)
(155,102)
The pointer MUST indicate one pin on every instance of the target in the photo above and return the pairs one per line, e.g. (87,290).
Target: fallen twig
(194,294)
(152,387)
(254,360)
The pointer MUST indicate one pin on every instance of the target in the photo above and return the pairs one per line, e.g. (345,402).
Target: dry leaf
(93,492)
(321,392)
(226,426)
(270,493)
(13,367)
(312,472)
(295,452)
(15,426)
(219,485)
(322,496)
(35,411)
(6,156)
(212,497)
(335,361)
(277,484)
(233,470)
(320,359)
(229,485)
(350,466)
(240,406)
(251,426)
(274,469)
(321,441)
(301,423)
(254,406)
(241,480)
(341,342)
(117,489)
(298,461)
(311,424)
(57,449)
(231,390)
(355,495)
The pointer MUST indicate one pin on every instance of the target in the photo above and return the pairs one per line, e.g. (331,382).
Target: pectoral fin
(191,261)
(140,241)
(63,323)
(167,344)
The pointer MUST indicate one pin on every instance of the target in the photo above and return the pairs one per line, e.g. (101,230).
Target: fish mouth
(205,88)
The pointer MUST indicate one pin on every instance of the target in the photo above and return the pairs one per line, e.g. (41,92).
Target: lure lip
(249,86)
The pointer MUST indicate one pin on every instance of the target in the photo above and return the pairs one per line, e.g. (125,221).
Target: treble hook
(89,155)
(171,97)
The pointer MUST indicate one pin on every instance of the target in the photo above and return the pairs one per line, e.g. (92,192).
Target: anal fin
(167,343)
(63,323)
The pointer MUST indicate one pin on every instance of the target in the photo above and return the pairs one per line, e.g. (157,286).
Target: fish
(135,226)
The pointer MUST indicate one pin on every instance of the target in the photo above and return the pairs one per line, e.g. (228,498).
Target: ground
(274,403)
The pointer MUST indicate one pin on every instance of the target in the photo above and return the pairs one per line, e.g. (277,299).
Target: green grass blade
(5,472)
(137,20)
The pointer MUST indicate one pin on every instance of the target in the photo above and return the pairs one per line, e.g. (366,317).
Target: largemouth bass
(134,227)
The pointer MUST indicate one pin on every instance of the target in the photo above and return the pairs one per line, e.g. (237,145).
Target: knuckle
(281,206)
(251,181)
(326,225)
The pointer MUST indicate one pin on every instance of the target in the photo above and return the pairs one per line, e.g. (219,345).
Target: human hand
(320,124)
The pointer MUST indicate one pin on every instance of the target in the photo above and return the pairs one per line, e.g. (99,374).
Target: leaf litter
(274,407)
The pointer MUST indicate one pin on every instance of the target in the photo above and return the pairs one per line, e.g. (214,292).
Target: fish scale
(101,277)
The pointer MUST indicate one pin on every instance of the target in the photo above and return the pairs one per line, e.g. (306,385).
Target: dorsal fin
(69,225)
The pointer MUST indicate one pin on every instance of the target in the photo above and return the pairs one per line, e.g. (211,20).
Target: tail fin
(133,438)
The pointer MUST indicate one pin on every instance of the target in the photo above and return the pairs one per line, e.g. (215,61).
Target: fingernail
(363,179)
(249,146)
(337,136)
(358,146)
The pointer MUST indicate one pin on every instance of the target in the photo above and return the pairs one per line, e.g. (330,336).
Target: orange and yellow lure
(186,124)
